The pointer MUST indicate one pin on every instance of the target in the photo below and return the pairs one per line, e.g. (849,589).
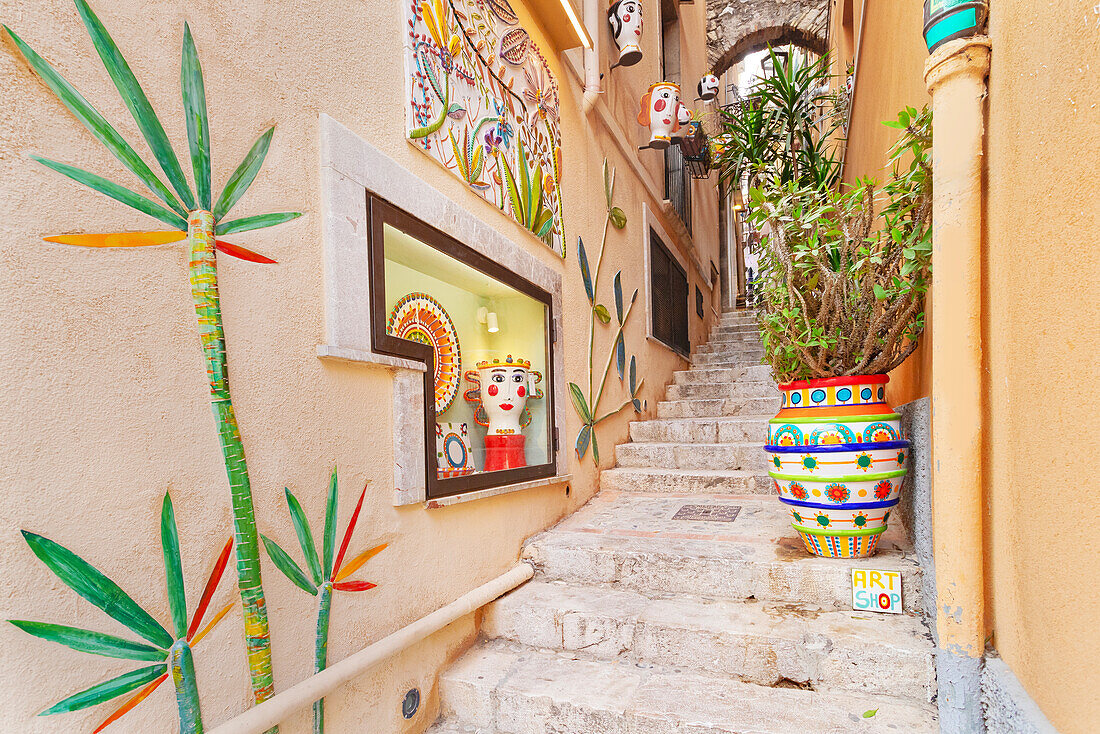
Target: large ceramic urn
(501,389)
(838,461)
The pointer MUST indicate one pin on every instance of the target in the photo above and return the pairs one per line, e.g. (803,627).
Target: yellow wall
(106,398)
(1040,331)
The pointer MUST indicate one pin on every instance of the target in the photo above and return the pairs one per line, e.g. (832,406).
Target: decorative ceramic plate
(418,317)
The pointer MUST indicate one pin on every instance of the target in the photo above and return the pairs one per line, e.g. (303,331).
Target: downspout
(956,77)
(855,85)
(594,22)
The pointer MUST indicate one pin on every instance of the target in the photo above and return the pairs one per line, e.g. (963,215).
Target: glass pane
(491,349)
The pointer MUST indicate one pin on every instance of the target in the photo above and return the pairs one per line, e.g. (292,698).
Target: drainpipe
(956,77)
(593,21)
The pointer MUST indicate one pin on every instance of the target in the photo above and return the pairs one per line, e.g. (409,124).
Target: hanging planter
(695,147)
(838,462)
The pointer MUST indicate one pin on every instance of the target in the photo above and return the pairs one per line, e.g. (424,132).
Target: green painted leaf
(287,565)
(88,582)
(107,690)
(90,118)
(245,174)
(595,447)
(607,183)
(579,403)
(330,526)
(870,714)
(95,643)
(618,285)
(544,223)
(586,273)
(510,187)
(135,100)
(618,217)
(583,439)
(633,376)
(602,313)
(524,177)
(305,537)
(534,199)
(116,192)
(637,405)
(198,122)
(620,355)
(259,221)
(173,566)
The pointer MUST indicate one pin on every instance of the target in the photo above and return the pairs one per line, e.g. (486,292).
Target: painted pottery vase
(661,113)
(838,462)
(501,389)
(709,87)
(625,17)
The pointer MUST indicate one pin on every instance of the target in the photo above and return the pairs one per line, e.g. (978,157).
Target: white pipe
(592,21)
(271,712)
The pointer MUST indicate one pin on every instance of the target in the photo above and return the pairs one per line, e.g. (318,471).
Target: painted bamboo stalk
(182,665)
(320,655)
(203,268)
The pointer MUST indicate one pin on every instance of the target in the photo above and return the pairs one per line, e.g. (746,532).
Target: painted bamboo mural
(326,575)
(170,652)
(587,404)
(199,219)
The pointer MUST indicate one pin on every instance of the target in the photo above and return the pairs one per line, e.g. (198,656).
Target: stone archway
(738,27)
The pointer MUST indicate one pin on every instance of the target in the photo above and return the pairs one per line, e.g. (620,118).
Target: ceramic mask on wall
(502,389)
(661,113)
(625,17)
(708,87)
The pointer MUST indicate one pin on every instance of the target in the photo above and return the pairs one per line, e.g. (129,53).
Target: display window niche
(484,334)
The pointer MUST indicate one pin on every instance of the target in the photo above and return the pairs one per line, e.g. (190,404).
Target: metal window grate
(669,297)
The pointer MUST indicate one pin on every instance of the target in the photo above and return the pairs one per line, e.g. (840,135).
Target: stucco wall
(890,77)
(106,401)
(1040,333)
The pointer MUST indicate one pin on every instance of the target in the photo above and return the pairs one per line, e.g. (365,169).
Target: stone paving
(680,601)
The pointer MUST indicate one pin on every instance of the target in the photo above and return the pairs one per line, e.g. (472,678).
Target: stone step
(744,456)
(729,347)
(716,408)
(703,351)
(685,482)
(754,642)
(718,390)
(755,373)
(710,361)
(701,430)
(629,540)
(512,689)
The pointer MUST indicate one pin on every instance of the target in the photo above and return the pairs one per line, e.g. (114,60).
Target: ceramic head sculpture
(685,116)
(501,389)
(625,17)
(661,113)
(708,87)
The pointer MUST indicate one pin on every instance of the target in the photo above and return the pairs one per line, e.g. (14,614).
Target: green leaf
(602,313)
(88,582)
(95,643)
(595,447)
(618,217)
(286,564)
(618,286)
(173,566)
(116,192)
(586,274)
(583,439)
(510,187)
(90,118)
(880,292)
(608,183)
(637,405)
(870,714)
(243,177)
(198,123)
(135,100)
(259,221)
(579,403)
(620,356)
(305,536)
(633,376)
(330,526)
(524,177)
(107,690)
(544,223)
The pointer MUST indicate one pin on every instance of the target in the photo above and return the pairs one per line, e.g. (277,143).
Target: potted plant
(843,270)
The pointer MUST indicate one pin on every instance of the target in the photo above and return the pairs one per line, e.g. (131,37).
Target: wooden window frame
(381,212)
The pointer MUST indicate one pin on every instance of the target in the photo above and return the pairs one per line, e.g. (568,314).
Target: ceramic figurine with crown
(501,389)
(661,111)
(625,17)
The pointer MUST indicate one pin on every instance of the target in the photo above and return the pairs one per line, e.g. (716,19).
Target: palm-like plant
(525,194)
(200,219)
(326,574)
(170,653)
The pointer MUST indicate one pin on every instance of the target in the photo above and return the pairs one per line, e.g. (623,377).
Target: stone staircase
(680,601)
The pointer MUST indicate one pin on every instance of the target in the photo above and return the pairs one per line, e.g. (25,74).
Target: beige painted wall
(1040,331)
(106,401)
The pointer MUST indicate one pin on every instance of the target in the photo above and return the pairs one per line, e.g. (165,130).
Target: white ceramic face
(708,87)
(504,393)
(628,24)
(684,115)
(664,111)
